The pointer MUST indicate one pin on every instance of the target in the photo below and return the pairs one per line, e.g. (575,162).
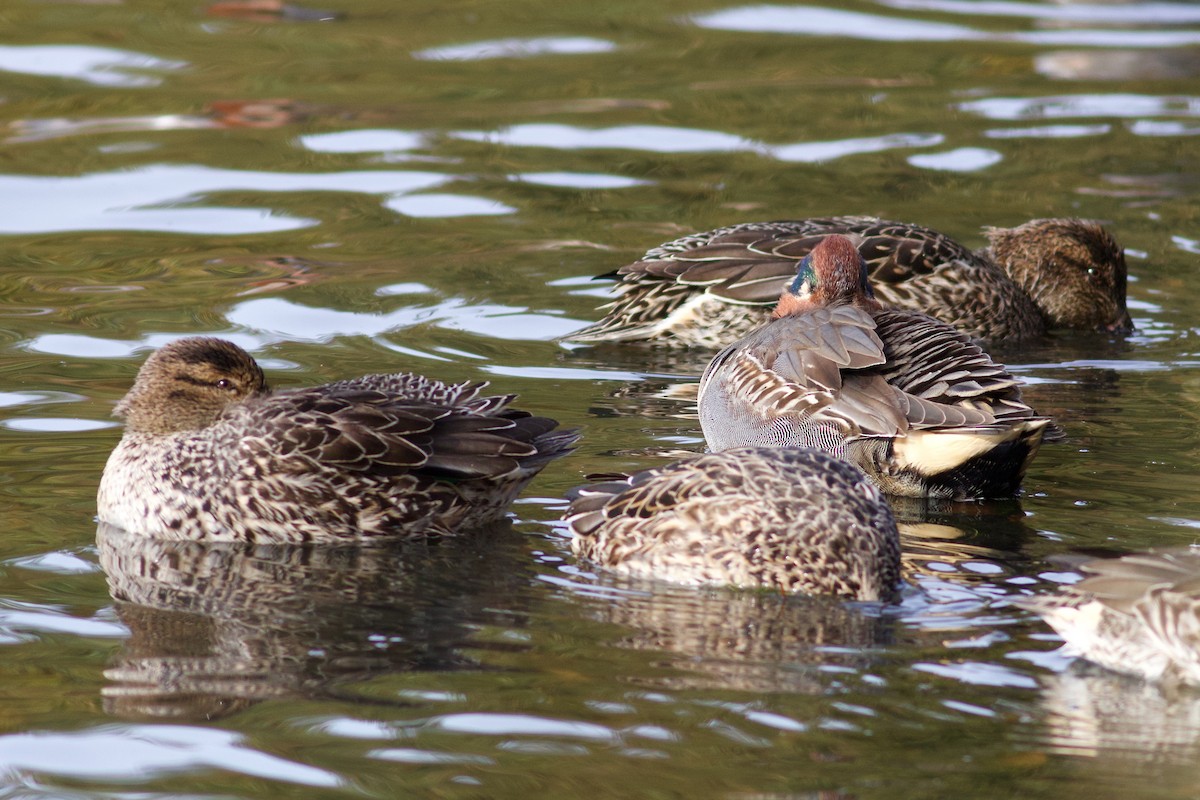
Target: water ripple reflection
(817,21)
(579,180)
(1118,64)
(663,139)
(1082,105)
(162,197)
(362,141)
(1146,127)
(1048,132)
(1090,13)
(962,159)
(18,619)
(649,138)
(116,752)
(446,205)
(102,66)
(516,48)
(284,320)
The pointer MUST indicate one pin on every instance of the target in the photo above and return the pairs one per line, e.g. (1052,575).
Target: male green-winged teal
(209,452)
(914,403)
(1138,614)
(789,519)
(711,288)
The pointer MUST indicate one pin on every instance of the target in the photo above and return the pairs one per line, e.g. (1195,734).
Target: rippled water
(361,185)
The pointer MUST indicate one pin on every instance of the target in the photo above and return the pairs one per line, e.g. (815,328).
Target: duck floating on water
(915,404)
(1138,614)
(709,289)
(209,452)
(788,519)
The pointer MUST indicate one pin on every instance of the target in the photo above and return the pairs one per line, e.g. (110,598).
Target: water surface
(430,187)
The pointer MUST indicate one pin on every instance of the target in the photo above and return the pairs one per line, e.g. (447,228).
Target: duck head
(834,273)
(1072,268)
(187,384)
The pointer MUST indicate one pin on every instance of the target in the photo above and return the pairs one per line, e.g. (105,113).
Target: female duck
(210,453)
(710,288)
(909,400)
(1136,614)
(788,519)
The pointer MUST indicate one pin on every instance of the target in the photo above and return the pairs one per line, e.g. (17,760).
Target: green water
(450,229)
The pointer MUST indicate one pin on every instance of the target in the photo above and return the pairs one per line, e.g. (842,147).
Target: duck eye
(224,383)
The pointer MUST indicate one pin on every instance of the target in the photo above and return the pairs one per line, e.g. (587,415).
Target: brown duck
(708,289)
(787,519)
(209,452)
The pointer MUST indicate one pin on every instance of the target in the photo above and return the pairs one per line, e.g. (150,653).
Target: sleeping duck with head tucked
(708,289)
(781,518)
(210,453)
(914,403)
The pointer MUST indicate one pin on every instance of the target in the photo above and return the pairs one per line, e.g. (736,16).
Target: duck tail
(552,444)
(958,465)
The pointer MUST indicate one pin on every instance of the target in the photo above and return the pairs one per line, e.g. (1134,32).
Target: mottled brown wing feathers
(800,393)
(342,432)
(752,263)
(898,251)
(370,431)
(588,502)
(638,309)
(411,386)
(646,494)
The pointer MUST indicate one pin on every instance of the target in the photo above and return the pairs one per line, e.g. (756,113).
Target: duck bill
(1123,324)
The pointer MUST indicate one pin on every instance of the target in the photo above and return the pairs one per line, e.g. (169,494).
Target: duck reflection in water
(217,627)
(1089,711)
(765,641)
(966,544)
(784,521)
(744,640)
(1132,693)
